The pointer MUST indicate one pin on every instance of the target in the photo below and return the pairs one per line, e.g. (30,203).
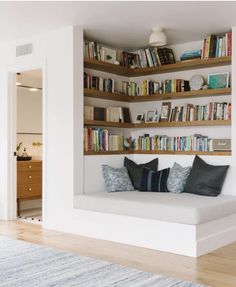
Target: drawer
(29,190)
(29,165)
(28,177)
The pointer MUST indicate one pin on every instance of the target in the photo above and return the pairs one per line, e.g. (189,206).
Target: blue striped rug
(27,265)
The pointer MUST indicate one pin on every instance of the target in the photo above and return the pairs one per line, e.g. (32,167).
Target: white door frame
(12,130)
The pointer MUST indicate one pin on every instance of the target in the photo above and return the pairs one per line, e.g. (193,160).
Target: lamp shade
(158,37)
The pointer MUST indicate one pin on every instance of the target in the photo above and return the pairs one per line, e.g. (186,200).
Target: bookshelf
(178,66)
(156,97)
(217,153)
(140,72)
(157,125)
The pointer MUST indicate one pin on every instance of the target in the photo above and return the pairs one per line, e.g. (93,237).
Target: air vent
(24,50)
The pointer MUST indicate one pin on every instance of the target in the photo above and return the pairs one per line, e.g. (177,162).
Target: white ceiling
(121,24)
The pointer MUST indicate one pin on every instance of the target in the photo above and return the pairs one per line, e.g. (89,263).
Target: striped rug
(27,265)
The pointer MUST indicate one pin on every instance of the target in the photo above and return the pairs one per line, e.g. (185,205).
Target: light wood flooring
(217,269)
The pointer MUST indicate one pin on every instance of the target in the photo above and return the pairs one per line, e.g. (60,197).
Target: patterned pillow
(116,179)
(178,178)
(154,180)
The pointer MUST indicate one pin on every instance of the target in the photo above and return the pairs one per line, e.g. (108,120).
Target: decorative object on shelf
(156,117)
(222,144)
(150,116)
(18,148)
(205,87)
(140,118)
(158,37)
(109,55)
(117,63)
(196,83)
(218,80)
(191,55)
(165,112)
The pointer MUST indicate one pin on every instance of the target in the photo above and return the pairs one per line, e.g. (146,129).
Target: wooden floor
(217,269)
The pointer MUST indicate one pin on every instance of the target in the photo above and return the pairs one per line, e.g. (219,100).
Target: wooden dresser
(29,181)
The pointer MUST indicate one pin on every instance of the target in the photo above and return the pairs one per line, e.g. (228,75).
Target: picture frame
(218,80)
(140,118)
(156,118)
(150,116)
(109,55)
(165,112)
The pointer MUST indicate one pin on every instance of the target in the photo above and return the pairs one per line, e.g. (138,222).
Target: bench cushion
(179,208)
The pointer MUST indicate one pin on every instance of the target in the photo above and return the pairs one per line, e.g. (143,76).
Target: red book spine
(229,52)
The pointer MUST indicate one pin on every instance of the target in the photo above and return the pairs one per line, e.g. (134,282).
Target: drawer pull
(29,188)
(29,166)
(30,176)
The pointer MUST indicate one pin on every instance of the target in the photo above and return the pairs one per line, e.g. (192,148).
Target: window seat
(181,208)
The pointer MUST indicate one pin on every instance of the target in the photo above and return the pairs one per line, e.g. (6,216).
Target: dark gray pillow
(205,179)
(135,170)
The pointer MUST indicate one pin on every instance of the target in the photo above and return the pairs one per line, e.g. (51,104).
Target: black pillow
(154,180)
(205,179)
(135,170)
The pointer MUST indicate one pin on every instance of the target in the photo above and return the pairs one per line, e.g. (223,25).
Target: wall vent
(24,50)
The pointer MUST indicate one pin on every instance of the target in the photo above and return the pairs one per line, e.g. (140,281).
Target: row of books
(217,46)
(190,112)
(149,87)
(195,142)
(98,83)
(109,114)
(149,57)
(96,139)
(95,51)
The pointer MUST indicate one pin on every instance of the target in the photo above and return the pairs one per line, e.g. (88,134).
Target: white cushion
(180,208)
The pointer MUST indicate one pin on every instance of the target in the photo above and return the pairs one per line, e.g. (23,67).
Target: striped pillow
(155,181)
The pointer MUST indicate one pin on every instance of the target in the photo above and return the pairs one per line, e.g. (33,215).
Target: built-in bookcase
(137,103)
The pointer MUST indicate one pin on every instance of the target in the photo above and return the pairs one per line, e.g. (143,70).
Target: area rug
(28,265)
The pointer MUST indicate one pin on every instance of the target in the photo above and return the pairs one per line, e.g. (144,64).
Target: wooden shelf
(106,67)
(210,153)
(178,66)
(156,97)
(108,124)
(183,124)
(157,125)
(106,95)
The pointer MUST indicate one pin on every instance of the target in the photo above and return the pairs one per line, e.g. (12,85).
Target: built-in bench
(181,208)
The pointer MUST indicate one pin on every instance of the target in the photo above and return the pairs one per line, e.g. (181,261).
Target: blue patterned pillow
(154,180)
(178,178)
(116,179)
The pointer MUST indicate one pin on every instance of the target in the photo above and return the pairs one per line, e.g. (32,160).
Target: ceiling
(32,78)
(124,25)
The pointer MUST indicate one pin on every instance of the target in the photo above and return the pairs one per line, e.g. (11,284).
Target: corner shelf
(108,124)
(156,97)
(157,125)
(178,66)
(206,153)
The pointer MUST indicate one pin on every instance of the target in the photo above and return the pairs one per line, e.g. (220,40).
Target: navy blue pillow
(155,181)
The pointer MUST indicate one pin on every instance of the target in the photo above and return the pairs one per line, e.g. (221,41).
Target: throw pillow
(206,179)
(135,170)
(116,179)
(177,178)
(154,180)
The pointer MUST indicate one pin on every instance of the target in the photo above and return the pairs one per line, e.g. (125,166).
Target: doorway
(29,142)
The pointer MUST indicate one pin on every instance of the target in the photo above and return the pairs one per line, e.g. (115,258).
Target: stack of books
(95,51)
(149,87)
(190,112)
(149,57)
(217,46)
(164,143)
(96,139)
(98,83)
(110,114)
